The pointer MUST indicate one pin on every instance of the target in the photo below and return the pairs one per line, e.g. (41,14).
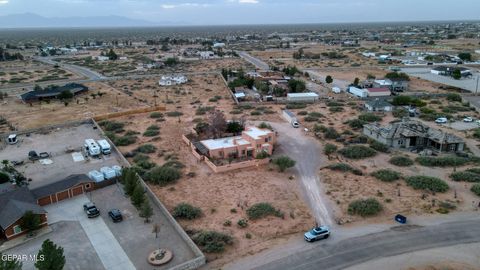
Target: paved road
(469,84)
(331,256)
(321,77)
(309,156)
(81,71)
(255,61)
(108,249)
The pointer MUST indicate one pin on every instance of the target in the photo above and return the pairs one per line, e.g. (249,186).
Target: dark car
(91,210)
(115,215)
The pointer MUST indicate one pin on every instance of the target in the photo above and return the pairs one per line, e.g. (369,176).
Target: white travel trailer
(91,148)
(104,147)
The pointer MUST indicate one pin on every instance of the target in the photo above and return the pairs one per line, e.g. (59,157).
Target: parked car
(91,210)
(441,120)
(468,119)
(478,122)
(115,215)
(322,232)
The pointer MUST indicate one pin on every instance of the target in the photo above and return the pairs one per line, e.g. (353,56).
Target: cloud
(248,1)
(171,6)
(2,2)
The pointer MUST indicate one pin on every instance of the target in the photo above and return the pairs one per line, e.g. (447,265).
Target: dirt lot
(30,72)
(218,194)
(23,116)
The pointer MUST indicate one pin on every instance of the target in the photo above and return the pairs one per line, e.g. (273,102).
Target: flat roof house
(448,71)
(394,84)
(378,105)
(251,142)
(52,92)
(413,134)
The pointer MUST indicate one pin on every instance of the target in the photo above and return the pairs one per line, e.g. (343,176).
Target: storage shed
(302,97)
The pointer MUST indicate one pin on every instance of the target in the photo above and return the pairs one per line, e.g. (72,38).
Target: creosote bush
(401,161)
(260,210)
(186,211)
(357,152)
(342,167)
(163,175)
(365,207)
(427,183)
(386,175)
(212,241)
(476,189)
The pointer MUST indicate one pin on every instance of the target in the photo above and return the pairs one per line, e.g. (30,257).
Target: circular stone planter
(160,256)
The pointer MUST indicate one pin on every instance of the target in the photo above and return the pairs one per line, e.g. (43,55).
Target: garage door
(77,190)
(44,201)
(62,195)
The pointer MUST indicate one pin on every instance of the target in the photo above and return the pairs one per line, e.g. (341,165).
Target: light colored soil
(217,194)
(23,116)
(30,72)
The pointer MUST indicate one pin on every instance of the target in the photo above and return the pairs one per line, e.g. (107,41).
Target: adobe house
(251,142)
(14,203)
(413,134)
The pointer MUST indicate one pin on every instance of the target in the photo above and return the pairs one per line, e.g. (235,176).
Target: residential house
(413,134)
(206,54)
(394,84)
(448,71)
(378,105)
(53,92)
(251,142)
(13,205)
(172,80)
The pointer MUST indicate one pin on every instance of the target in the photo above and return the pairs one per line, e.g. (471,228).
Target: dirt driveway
(308,154)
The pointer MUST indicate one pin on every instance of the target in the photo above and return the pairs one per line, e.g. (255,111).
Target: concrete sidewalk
(105,244)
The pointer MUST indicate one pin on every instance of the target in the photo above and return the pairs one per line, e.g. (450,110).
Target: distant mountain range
(28,20)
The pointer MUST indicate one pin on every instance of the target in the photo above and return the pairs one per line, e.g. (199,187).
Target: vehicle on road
(115,215)
(468,119)
(91,210)
(290,117)
(317,233)
(441,120)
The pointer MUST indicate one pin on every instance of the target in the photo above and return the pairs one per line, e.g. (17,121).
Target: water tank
(96,176)
(108,172)
(117,169)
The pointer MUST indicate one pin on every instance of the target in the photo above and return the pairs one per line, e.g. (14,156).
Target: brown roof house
(413,134)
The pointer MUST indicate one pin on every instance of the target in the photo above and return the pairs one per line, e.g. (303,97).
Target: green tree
(112,55)
(9,264)
(283,163)
(131,181)
(356,81)
(329,79)
(138,196)
(296,86)
(457,74)
(146,211)
(465,56)
(50,257)
(30,221)
(65,94)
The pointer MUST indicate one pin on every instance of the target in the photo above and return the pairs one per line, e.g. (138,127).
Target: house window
(87,186)
(266,139)
(400,142)
(243,152)
(17,229)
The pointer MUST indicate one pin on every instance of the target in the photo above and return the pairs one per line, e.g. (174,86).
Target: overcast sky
(253,11)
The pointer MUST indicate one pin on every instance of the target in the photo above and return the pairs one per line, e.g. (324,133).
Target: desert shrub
(474,170)
(342,167)
(283,163)
(365,207)
(335,109)
(140,157)
(265,126)
(401,161)
(186,211)
(466,176)
(260,210)
(292,106)
(302,113)
(427,183)
(316,114)
(476,189)
(255,113)
(369,117)
(174,164)
(356,123)
(227,223)
(310,118)
(380,147)
(145,164)
(112,126)
(262,155)
(124,140)
(386,175)
(174,114)
(156,115)
(146,149)
(211,241)
(400,113)
(454,97)
(204,110)
(357,152)
(151,133)
(447,161)
(162,175)
(242,223)
(330,149)
(331,134)
(4,178)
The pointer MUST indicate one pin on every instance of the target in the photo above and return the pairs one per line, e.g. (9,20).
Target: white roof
(256,133)
(239,95)
(213,144)
(383,82)
(308,94)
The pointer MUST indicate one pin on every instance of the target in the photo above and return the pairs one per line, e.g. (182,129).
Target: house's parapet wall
(236,165)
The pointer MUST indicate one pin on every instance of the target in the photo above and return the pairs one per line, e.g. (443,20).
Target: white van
(104,147)
(91,147)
